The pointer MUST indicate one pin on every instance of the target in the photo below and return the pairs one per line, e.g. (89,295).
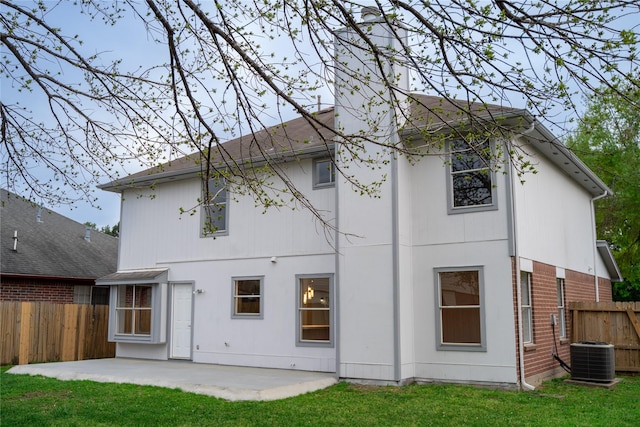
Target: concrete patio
(226,382)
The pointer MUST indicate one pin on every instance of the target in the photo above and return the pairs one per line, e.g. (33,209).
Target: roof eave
(545,142)
(152,179)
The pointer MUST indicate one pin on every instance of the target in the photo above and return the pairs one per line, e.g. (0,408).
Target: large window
(562,326)
(133,310)
(247,297)
(214,207)
(324,173)
(470,181)
(136,305)
(460,316)
(315,301)
(527,307)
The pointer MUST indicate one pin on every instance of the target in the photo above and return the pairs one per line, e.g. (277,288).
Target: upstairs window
(214,207)
(324,173)
(471,180)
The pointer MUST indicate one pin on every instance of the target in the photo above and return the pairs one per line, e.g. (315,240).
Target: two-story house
(452,271)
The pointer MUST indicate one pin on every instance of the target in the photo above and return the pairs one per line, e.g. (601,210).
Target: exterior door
(181,320)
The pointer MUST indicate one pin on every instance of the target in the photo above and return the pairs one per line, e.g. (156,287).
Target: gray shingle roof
(54,247)
(301,136)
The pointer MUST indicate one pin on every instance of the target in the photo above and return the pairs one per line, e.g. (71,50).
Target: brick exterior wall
(538,360)
(36,290)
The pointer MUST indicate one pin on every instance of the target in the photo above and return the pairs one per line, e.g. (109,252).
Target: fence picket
(48,332)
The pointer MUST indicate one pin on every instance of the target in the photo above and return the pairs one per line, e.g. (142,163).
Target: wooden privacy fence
(48,332)
(616,323)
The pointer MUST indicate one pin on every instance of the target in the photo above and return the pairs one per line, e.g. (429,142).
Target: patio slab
(226,382)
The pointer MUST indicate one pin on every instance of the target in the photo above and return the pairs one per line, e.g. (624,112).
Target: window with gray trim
(527,307)
(247,297)
(324,173)
(460,303)
(562,324)
(214,216)
(314,324)
(133,310)
(470,176)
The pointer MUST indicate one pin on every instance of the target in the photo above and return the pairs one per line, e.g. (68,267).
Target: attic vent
(592,361)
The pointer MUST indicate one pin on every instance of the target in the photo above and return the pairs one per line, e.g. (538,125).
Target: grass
(39,401)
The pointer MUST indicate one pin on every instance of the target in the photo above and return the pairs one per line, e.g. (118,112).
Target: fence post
(25,332)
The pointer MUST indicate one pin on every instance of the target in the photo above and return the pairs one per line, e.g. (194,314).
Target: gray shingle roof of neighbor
(53,248)
(302,136)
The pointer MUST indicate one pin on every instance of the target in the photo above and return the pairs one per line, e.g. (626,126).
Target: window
(100,295)
(214,207)
(137,299)
(562,327)
(133,310)
(315,307)
(324,173)
(247,297)
(527,307)
(471,179)
(460,317)
(81,294)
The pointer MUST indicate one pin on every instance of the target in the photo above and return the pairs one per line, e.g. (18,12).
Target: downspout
(595,244)
(395,235)
(516,254)
(336,282)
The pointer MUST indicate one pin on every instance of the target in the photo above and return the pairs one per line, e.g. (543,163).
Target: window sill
(135,340)
(564,341)
(530,347)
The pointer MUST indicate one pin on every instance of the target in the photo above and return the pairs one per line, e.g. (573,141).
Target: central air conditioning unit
(592,361)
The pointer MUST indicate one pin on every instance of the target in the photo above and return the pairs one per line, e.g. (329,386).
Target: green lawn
(39,401)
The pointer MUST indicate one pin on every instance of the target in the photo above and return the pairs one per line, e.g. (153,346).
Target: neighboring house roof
(607,257)
(302,136)
(55,247)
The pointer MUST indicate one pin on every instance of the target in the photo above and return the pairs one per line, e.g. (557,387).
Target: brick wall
(57,291)
(538,359)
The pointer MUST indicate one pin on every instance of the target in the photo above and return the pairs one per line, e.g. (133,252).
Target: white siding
(554,219)
(156,234)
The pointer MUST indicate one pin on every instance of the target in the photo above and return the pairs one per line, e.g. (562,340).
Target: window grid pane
(562,328)
(247,296)
(215,206)
(314,309)
(133,310)
(460,316)
(471,174)
(527,309)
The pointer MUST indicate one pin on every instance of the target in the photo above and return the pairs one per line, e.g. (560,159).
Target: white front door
(181,320)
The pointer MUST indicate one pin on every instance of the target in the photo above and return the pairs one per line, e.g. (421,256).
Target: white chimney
(363,83)
(87,233)
(370,13)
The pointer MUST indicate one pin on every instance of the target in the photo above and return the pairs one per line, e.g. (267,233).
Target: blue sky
(129,41)
(126,40)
